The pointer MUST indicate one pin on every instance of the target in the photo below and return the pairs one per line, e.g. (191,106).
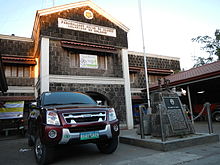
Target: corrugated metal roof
(199,73)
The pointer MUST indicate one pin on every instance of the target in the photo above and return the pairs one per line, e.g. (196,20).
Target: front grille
(87,128)
(84,117)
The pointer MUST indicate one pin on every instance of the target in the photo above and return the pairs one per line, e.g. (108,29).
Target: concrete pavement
(16,151)
(170,143)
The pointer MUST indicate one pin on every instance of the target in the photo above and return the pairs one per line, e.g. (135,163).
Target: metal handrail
(206,107)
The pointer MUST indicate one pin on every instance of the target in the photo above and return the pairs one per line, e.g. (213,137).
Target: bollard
(209,117)
(163,139)
(141,122)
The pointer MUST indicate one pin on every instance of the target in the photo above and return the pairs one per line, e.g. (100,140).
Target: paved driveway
(16,152)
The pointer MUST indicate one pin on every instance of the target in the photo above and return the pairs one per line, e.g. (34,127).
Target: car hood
(75,107)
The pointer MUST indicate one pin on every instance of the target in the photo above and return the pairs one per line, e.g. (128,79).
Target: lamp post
(145,58)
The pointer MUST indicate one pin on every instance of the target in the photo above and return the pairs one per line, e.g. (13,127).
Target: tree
(211,46)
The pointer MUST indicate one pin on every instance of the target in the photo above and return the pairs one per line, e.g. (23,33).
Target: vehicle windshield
(62,98)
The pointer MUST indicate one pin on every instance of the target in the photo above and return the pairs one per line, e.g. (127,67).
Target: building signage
(88,61)
(85,27)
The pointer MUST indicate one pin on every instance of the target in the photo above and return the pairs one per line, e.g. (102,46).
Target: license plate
(89,135)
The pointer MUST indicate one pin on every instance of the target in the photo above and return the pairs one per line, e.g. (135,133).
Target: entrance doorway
(99,98)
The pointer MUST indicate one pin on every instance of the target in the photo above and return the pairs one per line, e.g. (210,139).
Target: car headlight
(52,118)
(112,114)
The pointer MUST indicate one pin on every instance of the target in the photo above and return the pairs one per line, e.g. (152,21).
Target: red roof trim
(93,47)
(17,98)
(151,70)
(134,69)
(19,60)
(160,71)
(136,97)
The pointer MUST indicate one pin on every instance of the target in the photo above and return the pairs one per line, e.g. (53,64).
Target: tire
(43,153)
(108,147)
(216,116)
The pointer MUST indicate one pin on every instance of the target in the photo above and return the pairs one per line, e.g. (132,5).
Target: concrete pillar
(44,65)
(125,65)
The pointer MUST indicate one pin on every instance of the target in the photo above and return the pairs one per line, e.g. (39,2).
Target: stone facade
(16,53)
(49,27)
(159,62)
(114,93)
(16,47)
(109,81)
(60,56)
(58,53)
(20,81)
(152,62)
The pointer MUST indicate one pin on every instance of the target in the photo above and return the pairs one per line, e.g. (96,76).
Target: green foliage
(211,46)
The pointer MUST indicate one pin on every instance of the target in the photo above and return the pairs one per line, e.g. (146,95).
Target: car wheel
(43,153)
(108,147)
(216,116)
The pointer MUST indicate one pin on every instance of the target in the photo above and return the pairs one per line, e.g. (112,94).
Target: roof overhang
(194,75)
(18,60)
(133,69)
(17,98)
(86,46)
(159,71)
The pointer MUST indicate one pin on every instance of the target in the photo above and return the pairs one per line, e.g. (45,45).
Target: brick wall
(49,27)
(114,93)
(60,63)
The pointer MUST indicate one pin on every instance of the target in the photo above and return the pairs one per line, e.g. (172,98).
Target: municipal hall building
(79,47)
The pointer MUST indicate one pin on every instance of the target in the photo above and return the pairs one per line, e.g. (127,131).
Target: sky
(169,25)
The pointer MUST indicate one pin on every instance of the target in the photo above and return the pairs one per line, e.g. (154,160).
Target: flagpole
(145,59)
